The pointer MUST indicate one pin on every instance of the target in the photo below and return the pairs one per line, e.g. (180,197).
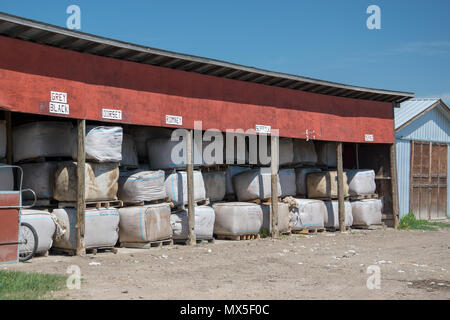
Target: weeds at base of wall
(409,222)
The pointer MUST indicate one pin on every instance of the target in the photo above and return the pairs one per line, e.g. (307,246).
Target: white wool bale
(129,153)
(204,223)
(163,153)
(230,173)
(300,178)
(101,228)
(102,144)
(332,216)
(308,213)
(237,218)
(324,184)
(136,186)
(285,152)
(283,217)
(40,178)
(142,134)
(254,184)
(145,223)
(367,212)
(44,225)
(176,187)
(215,185)
(326,153)
(101,181)
(361,182)
(287,182)
(304,152)
(43,139)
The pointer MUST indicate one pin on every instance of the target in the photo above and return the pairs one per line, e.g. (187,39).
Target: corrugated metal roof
(411,108)
(42,33)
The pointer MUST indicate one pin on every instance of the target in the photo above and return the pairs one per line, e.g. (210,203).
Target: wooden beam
(340,178)
(394,185)
(190,181)
(274,154)
(9,138)
(81,188)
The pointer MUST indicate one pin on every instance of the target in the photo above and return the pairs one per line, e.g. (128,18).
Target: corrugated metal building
(422,133)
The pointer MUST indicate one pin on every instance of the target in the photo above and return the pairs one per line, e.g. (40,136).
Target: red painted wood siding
(145,94)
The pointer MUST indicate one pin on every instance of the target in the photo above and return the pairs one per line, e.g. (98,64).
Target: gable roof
(46,34)
(412,109)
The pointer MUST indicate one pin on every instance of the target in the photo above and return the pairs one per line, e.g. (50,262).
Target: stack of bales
(146,218)
(366,209)
(103,151)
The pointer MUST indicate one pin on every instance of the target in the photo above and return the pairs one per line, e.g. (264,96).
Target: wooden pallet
(185,206)
(143,203)
(308,231)
(333,229)
(371,227)
(238,238)
(215,167)
(347,198)
(94,251)
(93,204)
(263,201)
(147,245)
(198,241)
(364,196)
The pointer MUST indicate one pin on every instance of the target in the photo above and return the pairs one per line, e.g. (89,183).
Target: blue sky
(322,39)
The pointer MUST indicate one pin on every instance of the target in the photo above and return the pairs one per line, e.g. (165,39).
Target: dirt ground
(413,265)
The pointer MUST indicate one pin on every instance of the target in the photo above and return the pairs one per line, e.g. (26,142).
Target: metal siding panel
(403,167)
(410,109)
(448,177)
(432,126)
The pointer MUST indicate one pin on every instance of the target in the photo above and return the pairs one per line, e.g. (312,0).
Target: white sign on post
(112,114)
(175,120)
(368,137)
(263,129)
(58,103)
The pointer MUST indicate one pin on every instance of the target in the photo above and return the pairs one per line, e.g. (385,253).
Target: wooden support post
(340,178)
(9,138)
(394,184)
(357,155)
(190,182)
(81,189)
(274,154)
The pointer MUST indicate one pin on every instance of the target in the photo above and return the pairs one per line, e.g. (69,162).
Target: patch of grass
(264,233)
(409,222)
(29,286)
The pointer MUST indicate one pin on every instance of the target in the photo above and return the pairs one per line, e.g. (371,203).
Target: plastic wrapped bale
(2,139)
(102,144)
(326,154)
(254,184)
(215,185)
(332,216)
(308,213)
(129,153)
(176,187)
(237,218)
(137,186)
(361,182)
(230,173)
(287,182)
(285,152)
(44,225)
(367,212)
(101,181)
(300,179)
(166,154)
(304,152)
(101,228)
(43,139)
(145,223)
(6,178)
(213,151)
(324,184)
(142,134)
(204,223)
(40,178)
(283,217)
